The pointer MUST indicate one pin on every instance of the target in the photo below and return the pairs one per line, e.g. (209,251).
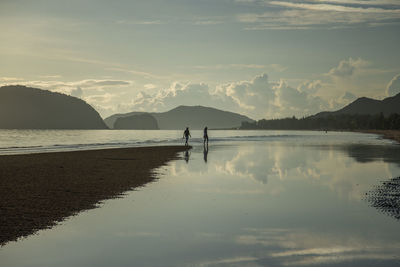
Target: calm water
(33,141)
(254,199)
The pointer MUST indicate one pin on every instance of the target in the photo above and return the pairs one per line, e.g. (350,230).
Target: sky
(261,58)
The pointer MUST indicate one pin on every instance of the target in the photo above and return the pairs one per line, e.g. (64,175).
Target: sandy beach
(39,190)
(388,134)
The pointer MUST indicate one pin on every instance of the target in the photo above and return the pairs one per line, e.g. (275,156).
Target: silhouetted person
(205,136)
(205,152)
(186,135)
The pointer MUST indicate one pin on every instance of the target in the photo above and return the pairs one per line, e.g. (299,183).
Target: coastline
(37,191)
(387,134)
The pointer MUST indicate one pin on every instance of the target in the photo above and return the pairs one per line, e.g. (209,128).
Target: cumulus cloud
(77,92)
(177,94)
(297,101)
(349,97)
(393,88)
(249,95)
(257,98)
(263,98)
(347,68)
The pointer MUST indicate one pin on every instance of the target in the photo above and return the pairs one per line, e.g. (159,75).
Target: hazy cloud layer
(393,88)
(325,14)
(258,97)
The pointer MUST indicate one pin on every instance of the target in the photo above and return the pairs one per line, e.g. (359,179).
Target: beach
(252,198)
(39,190)
(388,134)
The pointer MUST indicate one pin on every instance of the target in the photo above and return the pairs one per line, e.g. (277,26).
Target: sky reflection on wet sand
(252,204)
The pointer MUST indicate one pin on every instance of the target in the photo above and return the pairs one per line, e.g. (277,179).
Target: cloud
(250,94)
(140,73)
(393,88)
(262,98)
(77,92)
(177,94)
(334,7)
(297,101)
(347,68)
(142,22)
(50,76)
(342,2)
(5,80)
(349,97)
(105,95)
(257,98)
(274,67)
(363,2)
(67,87)
(322,14)
(207,22)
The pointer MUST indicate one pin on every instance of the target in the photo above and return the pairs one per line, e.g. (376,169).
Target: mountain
(194,117)
(143,121)
(31,108)
(110,121)
(368,106)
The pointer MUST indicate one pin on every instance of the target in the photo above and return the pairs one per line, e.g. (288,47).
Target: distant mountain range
(362,114)
(368,106)
(142,121)
(194,117)
(31,108)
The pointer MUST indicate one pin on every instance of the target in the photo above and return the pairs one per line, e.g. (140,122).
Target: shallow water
(36,141)
(293,201)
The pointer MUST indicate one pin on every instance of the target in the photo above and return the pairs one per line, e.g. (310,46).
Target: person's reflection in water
(187,156)
(205,152)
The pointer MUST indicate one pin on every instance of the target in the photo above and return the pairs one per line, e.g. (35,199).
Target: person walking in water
(205,136)
(186,135)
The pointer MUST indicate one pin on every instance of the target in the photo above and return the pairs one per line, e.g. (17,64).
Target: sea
(41,141)
(251,198)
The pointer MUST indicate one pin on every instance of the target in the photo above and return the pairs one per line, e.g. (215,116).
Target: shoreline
(37,191)
(387,134)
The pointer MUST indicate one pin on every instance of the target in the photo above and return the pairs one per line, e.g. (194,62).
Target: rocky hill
(143,121)
(31,108)
(368,106)
(194,117)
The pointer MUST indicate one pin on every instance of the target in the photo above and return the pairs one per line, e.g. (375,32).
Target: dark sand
(39,190)
(386,197)
(388,134)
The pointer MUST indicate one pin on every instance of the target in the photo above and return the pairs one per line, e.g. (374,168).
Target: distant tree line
(329,122)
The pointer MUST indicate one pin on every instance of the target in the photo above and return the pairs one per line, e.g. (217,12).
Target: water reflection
(278,166)
(369,153)
(187,156)
(205,152)
(296,247)
(269,204)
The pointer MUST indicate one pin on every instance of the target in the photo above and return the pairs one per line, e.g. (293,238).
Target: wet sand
(39,190)
(388,134)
